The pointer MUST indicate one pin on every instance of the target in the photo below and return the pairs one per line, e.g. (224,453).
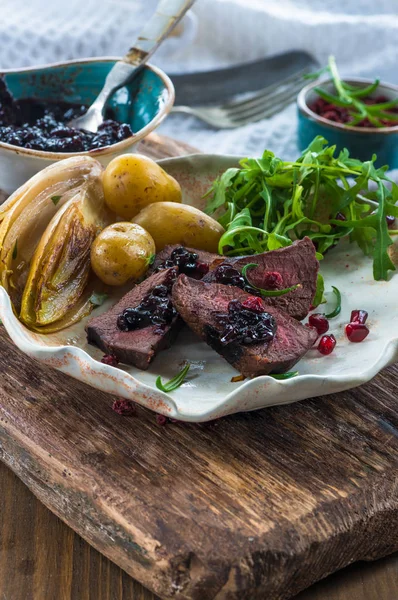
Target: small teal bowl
(143,104)
(362,142)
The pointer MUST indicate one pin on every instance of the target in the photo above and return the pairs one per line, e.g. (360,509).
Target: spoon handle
(168,14)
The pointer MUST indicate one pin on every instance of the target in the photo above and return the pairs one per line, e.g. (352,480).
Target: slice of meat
(201,304)
(139,346)
(295,264)
(204,258)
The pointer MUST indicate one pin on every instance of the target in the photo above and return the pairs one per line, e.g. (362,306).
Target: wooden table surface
(43,559)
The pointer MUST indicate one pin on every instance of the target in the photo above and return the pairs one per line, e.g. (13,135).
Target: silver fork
(261,105)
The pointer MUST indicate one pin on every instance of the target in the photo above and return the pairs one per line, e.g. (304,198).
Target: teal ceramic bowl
(143,104)
(361,142)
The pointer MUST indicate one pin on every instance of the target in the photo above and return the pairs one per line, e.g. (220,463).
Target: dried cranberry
(320,323)
(340,217)
(356,332)
(253,303)
(359,316)
(327,344)
(123,407)
(110,359)
(390,220)
(161,419)
(272,280)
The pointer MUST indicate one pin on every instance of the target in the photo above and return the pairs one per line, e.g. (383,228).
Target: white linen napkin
(362,34)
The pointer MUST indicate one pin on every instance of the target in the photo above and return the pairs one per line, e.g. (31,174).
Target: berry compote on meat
(187,262)
(42,125)
(228,275)
(155,308)
(246,324)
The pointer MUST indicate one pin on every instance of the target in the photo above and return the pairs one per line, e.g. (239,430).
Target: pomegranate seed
(123,407)
(320,323)
(253,303)
(359,316)
(110,359)
(356,332)
(272,280)
(390,220)
(340,217)
(327,344)
(161,419)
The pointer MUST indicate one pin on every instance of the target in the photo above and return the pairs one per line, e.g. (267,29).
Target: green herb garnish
(267,293)
(98,298)
(150,260)
(287,375)
(268,203)
(56,199)
(319,297)
(15,250)
(349,97)
(337,310)
(174,383)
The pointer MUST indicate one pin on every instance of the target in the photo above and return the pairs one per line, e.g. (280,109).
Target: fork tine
(263,112)
(266,100)
(264,93)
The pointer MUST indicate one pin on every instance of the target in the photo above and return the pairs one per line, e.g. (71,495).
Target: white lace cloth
(362,34)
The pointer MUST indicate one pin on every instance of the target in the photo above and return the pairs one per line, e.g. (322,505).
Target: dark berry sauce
(228,275)
(187,262)
(42,125)
(246,324)
(155,308)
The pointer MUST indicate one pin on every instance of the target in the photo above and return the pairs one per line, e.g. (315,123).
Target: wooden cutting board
(252,507)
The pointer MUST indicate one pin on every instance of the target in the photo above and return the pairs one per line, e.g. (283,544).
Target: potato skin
(132,181)
(121,252)
(170,223)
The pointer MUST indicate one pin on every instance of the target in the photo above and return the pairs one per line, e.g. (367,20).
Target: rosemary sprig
(174,383)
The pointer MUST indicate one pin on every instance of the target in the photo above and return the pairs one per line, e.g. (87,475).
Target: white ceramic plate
(209,393)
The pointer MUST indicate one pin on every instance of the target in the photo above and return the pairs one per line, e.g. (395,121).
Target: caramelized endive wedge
(25,216)
(56,293)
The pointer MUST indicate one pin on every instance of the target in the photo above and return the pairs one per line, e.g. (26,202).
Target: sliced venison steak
(203,307)
(279,269)
(136,347)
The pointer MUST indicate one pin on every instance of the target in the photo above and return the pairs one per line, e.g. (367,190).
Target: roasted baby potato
(133,181)
(171,223)
(121,252)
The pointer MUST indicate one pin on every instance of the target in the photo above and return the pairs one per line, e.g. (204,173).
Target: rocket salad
(267,203)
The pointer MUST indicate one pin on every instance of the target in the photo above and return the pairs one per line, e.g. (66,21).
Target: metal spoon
(166,17)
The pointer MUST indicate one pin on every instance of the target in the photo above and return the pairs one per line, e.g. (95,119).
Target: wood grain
(258,505)
(75,571)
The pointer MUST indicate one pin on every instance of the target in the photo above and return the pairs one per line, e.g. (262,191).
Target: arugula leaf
(268,203)
(319,297)
(56,199)
(173,383)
